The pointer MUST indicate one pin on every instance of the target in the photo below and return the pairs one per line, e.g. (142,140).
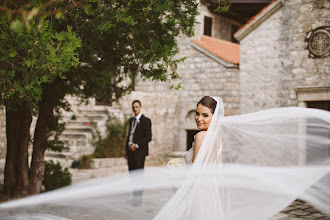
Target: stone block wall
(201,75)
(306,15)
(274,60)
(261,65)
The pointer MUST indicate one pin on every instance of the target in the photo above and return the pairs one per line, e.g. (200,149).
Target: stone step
(99,108)
(59,155)
(74,143)
(94,108)
(72,152)
(92,117)
(92,112)
(81,122)
(78,128)
(66,139)
(69,134)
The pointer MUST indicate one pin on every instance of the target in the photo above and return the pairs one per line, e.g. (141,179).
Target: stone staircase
(77,136)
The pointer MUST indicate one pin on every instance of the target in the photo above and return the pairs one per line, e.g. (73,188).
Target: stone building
(285,56)
(270,68)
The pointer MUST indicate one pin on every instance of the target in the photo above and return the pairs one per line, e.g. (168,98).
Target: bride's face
(203,117)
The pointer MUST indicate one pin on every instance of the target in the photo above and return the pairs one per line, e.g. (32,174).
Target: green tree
(51,49)
(219,6)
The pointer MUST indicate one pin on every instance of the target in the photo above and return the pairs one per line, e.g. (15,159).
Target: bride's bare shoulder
(200,135)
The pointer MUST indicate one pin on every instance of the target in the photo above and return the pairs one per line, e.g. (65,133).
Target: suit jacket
(142,136)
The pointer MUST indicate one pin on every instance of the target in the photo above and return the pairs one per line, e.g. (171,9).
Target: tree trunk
(41,134)
(16,177)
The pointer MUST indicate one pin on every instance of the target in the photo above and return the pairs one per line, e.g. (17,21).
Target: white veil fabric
(249,166)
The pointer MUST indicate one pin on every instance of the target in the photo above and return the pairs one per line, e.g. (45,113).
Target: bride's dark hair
(209,102)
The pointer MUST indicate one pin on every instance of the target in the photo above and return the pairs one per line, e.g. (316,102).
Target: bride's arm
(198,142)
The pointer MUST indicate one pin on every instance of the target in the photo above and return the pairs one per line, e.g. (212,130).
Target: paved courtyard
(298,210)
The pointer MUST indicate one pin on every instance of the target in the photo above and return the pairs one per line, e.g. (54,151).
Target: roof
(225,50)
(256,20)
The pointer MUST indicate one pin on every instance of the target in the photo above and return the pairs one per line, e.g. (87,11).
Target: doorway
(323,105)
(190,138)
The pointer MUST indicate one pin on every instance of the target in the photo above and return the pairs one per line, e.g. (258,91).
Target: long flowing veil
(249,166)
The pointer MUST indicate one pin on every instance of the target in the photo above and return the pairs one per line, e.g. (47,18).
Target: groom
(139,135)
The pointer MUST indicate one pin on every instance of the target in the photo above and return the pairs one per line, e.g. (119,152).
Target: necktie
(134,123)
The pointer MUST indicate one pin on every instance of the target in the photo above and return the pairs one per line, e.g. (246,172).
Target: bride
(249,166)
(272,139)
(204,112)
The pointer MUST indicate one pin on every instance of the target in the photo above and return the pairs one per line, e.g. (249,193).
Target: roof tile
(225,50)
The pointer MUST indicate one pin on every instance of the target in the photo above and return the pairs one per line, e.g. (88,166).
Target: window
(207,26)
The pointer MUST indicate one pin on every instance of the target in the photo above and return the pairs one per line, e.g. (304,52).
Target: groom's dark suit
(141,137)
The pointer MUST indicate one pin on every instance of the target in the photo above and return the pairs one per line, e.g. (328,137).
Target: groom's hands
(132,147)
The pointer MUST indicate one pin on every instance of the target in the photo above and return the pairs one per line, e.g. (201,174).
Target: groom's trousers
(135,162)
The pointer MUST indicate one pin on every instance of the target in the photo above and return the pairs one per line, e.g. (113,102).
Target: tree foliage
(94,46)
(219,6)
(28,61)
(87,48)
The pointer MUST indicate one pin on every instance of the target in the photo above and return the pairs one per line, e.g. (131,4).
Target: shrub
(113,145)
(85,162)
(56,177)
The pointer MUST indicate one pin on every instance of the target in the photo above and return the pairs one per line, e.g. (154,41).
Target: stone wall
(202,75)
(306,15)
(3,139)
(274,61)
(261,65)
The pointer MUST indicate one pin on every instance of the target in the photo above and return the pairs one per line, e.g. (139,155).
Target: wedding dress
(190,153)
(249,166)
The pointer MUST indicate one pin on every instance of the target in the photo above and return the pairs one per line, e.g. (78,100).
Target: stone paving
(298,210)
